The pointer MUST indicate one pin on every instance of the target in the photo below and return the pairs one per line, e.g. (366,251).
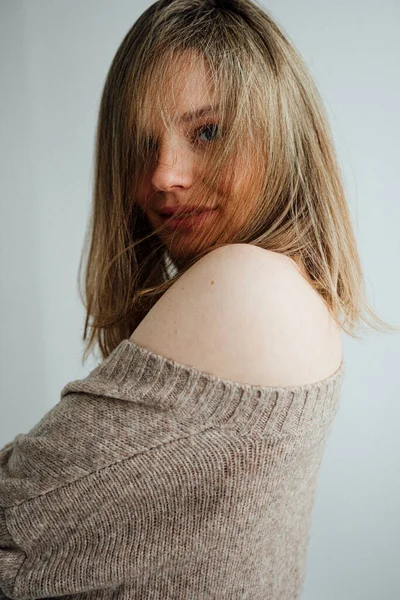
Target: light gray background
(54,56)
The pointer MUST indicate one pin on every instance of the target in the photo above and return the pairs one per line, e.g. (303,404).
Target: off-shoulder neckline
(129,344)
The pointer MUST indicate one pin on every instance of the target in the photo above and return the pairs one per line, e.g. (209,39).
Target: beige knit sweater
(152,480)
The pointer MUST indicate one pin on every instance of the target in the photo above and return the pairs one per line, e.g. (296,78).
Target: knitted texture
(150,479)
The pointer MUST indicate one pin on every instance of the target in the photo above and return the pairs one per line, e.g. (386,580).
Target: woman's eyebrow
(195,114)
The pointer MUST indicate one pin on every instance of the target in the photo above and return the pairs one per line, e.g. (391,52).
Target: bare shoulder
(246,314)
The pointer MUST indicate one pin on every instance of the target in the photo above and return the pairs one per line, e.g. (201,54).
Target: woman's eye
(210,131)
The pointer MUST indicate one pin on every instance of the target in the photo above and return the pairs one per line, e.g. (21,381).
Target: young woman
(208,105)
(185,464)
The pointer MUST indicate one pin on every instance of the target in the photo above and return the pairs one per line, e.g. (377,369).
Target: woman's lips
(182,210)
(187,222)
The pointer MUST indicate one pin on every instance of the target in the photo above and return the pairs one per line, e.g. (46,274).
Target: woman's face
(180,165)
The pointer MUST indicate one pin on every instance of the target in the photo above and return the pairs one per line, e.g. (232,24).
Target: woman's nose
(174,167)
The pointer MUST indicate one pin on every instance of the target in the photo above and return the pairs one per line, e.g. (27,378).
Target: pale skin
(240,312)
(246,314)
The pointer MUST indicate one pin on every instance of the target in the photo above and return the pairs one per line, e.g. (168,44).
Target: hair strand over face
(273,122)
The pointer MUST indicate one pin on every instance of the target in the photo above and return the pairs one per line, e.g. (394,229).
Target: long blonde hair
(266,97)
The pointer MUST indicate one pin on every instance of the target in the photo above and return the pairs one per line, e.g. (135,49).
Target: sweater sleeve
(11,555)
(151,479)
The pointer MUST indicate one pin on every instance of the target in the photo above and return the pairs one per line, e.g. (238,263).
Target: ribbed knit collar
(137,374)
